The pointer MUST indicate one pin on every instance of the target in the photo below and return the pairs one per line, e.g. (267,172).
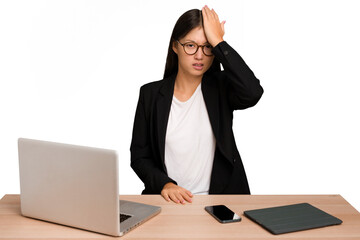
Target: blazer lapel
(163,105)
(211,98)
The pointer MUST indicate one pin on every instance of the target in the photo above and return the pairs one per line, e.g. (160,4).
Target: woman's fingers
(205,10)
(165,196)
(210,14)
(180,198)
(214,14)
(174,198)
(188,193)
(187,197)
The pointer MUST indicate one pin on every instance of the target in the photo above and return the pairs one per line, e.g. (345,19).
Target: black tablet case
(291,218)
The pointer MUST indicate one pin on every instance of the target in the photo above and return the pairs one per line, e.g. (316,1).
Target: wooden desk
(190,221)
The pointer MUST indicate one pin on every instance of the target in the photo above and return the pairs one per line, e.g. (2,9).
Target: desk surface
(190,221)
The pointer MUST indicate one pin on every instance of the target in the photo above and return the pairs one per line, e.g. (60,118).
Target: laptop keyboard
(123,217)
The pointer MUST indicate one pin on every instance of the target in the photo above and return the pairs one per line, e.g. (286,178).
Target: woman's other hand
(175,193)
(214,30)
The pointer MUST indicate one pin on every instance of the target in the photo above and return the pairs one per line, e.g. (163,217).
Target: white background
(70,71)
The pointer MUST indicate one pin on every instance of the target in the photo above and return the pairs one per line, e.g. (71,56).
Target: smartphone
(223,214)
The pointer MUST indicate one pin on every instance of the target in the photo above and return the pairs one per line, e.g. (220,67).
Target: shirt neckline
(192,96)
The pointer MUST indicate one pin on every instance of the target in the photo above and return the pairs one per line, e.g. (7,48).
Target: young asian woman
(183,143)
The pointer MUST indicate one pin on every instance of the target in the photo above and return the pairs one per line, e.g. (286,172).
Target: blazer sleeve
(243,88)
(142,157)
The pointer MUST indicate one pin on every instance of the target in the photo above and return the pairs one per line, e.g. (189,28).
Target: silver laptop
(76,186)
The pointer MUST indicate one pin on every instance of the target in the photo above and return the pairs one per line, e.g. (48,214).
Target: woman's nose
(199,54)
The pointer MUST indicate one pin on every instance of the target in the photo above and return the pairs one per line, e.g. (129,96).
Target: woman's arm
(142,161)
(244,89)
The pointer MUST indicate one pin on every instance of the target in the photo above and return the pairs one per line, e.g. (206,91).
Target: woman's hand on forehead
(214,30)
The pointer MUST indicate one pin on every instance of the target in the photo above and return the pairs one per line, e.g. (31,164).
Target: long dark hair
(187,22)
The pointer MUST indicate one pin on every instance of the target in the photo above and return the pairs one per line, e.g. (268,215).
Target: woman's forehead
(196,35)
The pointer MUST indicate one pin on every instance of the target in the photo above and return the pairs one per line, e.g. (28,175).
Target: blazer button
(226,52)
(234,160)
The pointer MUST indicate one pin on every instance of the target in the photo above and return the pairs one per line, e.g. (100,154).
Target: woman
(182,142)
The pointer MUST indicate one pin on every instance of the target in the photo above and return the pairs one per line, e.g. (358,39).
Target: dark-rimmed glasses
(190,48)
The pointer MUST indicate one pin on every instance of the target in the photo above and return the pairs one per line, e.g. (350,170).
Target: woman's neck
(185,86)
(184,83)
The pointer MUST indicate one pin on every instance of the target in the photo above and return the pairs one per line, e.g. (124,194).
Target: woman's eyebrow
(189,40)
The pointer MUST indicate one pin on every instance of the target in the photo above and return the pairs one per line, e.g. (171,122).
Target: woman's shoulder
(156,86)
(152,85)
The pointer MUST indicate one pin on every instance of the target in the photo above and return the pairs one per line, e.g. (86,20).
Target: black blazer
(225,91)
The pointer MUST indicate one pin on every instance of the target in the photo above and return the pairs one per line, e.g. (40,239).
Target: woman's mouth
(198,66)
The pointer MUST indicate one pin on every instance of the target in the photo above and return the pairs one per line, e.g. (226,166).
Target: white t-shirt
(190,144)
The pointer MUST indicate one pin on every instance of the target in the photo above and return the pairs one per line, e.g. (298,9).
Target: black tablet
(291,218)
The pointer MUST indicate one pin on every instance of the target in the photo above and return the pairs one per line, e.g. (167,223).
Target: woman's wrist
(215,43)
(169,184)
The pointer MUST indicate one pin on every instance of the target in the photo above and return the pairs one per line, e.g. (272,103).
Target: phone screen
(223,214)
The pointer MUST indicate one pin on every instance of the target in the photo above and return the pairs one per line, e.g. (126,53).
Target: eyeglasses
(190,48)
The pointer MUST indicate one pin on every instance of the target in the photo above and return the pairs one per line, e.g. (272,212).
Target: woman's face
(193,65)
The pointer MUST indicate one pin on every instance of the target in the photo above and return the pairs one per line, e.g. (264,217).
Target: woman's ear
(174,47)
